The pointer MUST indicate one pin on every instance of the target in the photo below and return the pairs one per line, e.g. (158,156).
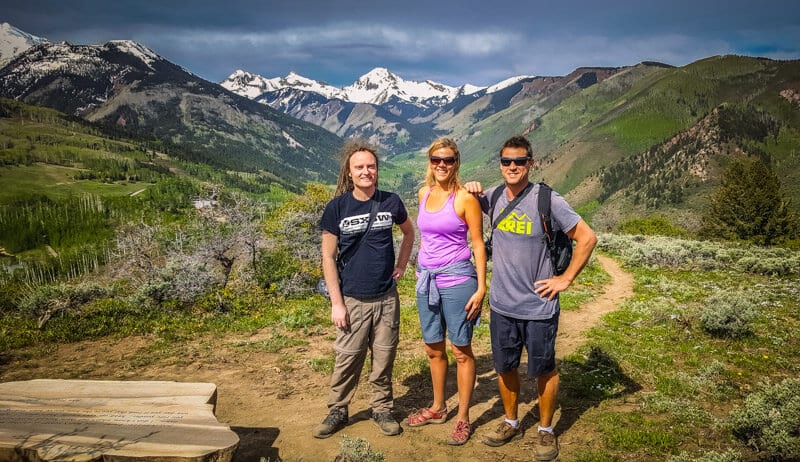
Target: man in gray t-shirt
(524,291)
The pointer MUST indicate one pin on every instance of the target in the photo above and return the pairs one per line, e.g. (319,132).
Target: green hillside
(649,141)
(67,186)
(641,109)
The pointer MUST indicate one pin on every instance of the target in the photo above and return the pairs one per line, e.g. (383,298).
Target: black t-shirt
(369,271)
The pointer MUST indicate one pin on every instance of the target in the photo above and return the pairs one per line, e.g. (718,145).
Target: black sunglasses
(518,161)
(447,160)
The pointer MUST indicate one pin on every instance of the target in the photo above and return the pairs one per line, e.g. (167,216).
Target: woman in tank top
(450,288)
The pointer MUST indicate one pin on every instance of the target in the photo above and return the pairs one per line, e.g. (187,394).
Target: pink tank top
(443,235)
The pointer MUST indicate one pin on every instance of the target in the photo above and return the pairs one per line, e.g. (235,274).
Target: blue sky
(452,42)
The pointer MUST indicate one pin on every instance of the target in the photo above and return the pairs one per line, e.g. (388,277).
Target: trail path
(274,400)
(574,324)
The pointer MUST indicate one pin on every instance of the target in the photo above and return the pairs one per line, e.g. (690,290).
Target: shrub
(183,280)
(729,315)
(656,225)
(290,263)
(712,456)
(273,266)
(357,450)
(770,266)
(44,301)
(661,251)
(769,420)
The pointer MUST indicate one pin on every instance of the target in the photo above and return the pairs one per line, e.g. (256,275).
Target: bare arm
(405,249)
(469,209)
(339,315)
(585,240)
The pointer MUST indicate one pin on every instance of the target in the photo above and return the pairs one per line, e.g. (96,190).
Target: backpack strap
(493,201)
(545,193)
(510,207)
(343,258)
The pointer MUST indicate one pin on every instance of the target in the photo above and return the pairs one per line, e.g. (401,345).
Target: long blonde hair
(352,146)
(454,182)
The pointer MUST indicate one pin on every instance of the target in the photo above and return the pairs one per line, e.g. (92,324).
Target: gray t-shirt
(519,254)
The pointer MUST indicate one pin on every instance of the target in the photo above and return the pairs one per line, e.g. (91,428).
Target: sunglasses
(519,161)
(446,160)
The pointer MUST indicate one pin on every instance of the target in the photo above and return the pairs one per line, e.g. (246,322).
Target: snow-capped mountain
(253,85)
(128,86)
(400,114)
(380,105)
(378,86)
(76,79)
(14,41)
(502,85)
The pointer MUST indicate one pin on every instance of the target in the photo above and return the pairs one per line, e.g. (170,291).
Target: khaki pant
(374,326)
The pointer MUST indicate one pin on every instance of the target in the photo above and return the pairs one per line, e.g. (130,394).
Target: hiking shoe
(504,433)
(460,434)
(545,447)
(335,421)
(426,416)
(386,422)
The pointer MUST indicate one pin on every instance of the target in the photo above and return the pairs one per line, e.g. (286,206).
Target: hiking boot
(545,447)
(387,423)
(460,434)
(335,421)
(504,433)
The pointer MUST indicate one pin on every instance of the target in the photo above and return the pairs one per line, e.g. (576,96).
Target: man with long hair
(365,307)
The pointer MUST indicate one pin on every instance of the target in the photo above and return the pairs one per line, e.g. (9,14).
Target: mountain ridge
(583,126)
(125,85)
(14,41)
(403,117)
(377,86)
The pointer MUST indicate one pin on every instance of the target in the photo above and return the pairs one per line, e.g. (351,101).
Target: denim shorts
(510,335)
(449,315)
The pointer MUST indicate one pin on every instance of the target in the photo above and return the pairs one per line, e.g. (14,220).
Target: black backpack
(559,245)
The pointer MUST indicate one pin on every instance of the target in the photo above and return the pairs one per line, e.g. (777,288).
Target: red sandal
(460,434)
(426,416)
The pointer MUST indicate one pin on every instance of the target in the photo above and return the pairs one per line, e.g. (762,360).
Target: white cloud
(480,56)
(390,41)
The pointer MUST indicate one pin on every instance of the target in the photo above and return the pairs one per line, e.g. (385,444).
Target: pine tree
(749,206)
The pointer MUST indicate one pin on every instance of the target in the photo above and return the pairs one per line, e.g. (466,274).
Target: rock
(92,420)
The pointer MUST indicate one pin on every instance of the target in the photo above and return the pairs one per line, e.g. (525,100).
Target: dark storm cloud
(453,42)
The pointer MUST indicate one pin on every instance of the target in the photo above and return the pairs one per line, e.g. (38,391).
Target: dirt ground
(273,404)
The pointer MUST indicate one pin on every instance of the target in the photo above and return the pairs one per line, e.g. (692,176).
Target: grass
(56,181)
(681,380)
(323,364)
(589,283)
(648,381)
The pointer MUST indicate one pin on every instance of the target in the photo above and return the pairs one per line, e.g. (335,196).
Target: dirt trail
(273,400)
(574,324)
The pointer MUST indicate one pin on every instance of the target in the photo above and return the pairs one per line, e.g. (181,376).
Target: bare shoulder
(465,196)
(422,191)
(465,200)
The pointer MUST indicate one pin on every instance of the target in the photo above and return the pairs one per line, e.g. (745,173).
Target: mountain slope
(404,115)
(378,86)
(642,110)
(14,41)
(126,85)
(624,143)
(526,109)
